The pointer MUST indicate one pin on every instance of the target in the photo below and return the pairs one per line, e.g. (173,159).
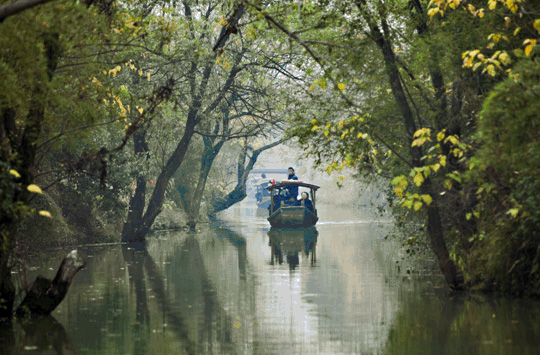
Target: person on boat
(292,189)
(278,197)
(305,201)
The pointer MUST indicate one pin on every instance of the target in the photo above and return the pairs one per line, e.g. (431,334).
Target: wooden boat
(263,195)
(291,215)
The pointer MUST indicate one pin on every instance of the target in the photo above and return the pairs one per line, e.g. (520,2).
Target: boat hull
(292,217)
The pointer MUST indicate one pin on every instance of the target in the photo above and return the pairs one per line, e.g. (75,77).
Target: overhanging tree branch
(18,6)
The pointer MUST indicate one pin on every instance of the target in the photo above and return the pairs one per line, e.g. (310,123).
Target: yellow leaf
(517,31)
(512,6)
(14,173)
(440,136)
(448,184)
(504,58)
(418,179)
(432,12)
(417,205)
(442,160)
(34,188)
(422,132)
(513,212)
(148,76)
(97,82)
(45,213)
(529,48)
(419,141)
(491,69)
(452,139)
(468,61)
(140,109)
(427,199)
(341,86)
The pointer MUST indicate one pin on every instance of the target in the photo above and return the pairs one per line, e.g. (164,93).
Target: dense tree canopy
(405,90)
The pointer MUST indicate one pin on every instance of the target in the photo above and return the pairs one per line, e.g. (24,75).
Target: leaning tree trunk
(450,270)
(240,192)
(158,195)
(45,295)
(209,155)
(194,116)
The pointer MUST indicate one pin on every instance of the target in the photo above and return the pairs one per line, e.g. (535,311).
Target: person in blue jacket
(278,197)
(305,201)
(292,189)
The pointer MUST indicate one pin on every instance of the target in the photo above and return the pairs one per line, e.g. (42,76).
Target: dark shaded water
(239,288)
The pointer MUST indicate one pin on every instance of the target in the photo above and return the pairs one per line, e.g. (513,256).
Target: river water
(238,287)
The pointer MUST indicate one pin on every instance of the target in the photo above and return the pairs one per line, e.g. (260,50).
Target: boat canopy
(293,182)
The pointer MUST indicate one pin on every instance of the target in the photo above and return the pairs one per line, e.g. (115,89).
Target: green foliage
(508,177)
(423,137)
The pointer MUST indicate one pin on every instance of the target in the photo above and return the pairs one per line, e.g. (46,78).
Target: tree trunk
(136,204)
(7,289)
(45,295)
(158,195)
(239,192)
(451,272)
(209,155)
(235,196)
(194,116)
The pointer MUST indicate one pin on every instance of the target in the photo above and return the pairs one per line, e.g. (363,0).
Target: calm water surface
(238,287)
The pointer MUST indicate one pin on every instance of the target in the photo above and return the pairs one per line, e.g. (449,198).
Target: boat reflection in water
(261,212)
(290,243)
